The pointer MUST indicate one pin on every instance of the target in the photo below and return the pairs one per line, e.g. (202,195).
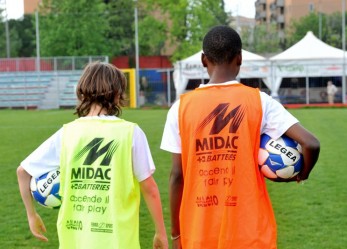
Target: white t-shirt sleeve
(171,140)
(45,158)
(143,164)
(276,119)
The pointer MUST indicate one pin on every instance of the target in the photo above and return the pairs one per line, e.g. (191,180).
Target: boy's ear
(204,60)
(239,59)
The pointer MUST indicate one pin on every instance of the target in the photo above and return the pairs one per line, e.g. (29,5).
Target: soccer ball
(45,189)
(279,158)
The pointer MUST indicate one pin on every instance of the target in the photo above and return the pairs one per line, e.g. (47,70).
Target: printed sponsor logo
(95,173)
(48,182)
(74,225)
(216,144)
(207,201)
(101,227)
(284,151)
(231,201)
(234,117)
(226,145)
(94,153)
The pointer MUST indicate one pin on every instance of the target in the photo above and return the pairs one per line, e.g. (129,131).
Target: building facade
(241,22)
(283,12)
(30,6)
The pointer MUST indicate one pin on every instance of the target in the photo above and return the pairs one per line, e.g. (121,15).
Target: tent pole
(307,89)
(344,51)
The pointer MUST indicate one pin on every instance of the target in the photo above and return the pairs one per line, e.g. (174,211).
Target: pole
(137,77)
(320,20)
(37,42)
(168,87)
(344,51)
(8,51)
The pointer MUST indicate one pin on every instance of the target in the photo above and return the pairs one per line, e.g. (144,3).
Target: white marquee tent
(253,66)
(310,57)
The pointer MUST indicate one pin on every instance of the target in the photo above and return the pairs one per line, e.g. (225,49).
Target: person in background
(331,91)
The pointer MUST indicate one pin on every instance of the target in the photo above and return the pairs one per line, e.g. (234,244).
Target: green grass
(313,215)
(309,216)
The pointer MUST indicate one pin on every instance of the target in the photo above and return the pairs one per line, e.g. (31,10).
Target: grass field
(309,216)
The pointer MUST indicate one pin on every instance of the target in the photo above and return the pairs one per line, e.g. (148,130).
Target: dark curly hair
(102,84)
(221,44)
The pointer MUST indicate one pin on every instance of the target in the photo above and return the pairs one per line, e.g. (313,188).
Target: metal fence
(24,84)
(51,83)
(52,64)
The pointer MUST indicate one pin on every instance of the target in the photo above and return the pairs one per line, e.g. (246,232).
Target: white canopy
(253,66)
(310,57)
(309,48)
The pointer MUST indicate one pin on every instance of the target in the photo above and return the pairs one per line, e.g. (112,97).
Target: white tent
(253,66)
(310,57)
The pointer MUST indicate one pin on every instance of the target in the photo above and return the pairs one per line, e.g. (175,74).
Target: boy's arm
(36,224)
(151,196)
(310,148)
(175,193)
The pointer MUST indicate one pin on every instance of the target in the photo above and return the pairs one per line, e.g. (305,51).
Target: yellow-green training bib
(101,197)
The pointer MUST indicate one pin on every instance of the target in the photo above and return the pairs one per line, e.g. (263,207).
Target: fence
(51,83)
(54,64)
(24,84)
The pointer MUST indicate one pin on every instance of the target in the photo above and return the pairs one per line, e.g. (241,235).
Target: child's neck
(96,110)
(223,73)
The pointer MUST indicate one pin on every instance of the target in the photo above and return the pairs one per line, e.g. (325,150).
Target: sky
(241,7)
(237,7)
(15,8)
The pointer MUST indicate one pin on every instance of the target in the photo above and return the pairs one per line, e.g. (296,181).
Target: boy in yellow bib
(104,164)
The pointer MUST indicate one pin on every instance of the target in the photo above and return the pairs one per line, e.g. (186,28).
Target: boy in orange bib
(218,197)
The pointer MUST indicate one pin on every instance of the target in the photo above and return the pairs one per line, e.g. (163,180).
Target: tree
(262,39)
(152,35)
(73,28)
(3,45)
(189,21)
(120,33)
(106,27)
(23,36)
(331,29)
(298,29)
(97,28)
(15,42)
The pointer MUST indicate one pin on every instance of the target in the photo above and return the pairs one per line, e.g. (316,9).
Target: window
(311,7)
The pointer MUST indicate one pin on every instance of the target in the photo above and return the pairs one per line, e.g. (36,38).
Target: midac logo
(94,153)
(221,120)
(234,117)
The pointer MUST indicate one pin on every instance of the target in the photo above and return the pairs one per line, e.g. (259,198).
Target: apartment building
(241,22)
(30,6)
(283,12)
